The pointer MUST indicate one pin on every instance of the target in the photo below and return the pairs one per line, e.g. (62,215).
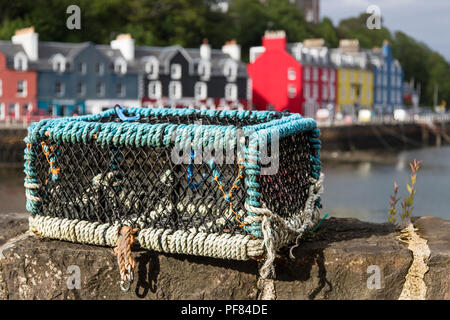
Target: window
(81,89)
(315,91)
(120,66)
(99,68)
(59,89)
(385,79)
(332,76)
(368,94)
(1,87)
(204,70)
(175,71)
(175,90)
(120,90)
(352,76)
(201,91)
(332,93)
(81,67)
(152,68)
(100,89)
(385,96)
(59,63)
(306,93)
(343,93)
(231,93)
(307,73)
(324,92)
(315,74)
(292,91)
(291,74)
(21,88)
(324,74)
(343,74)
(230,70)
(154,90)
(20,62)
(2,111)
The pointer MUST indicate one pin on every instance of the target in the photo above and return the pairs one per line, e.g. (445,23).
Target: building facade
(276,76)
(388,80)
(310,9)
(203,77)
(319,75)
(17,84)
(354,77)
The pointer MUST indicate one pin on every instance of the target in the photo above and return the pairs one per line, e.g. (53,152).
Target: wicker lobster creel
(225,184)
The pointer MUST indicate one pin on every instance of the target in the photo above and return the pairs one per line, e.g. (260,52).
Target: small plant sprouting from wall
(408,200)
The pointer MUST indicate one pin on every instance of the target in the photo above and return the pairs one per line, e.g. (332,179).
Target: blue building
(388,80)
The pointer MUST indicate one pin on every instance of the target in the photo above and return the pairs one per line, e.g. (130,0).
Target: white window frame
(306,91)
(102,89)
(62,89)
(175,90)
(154,90)
(343,92)
(83,89)
(176,71)
(59,63)
(291,74)
(20,62)
(201,91)
(152,68)
(1,87)
(315,91)
(292,91)
(120,66)
(123,90)
(324,74)
(231,92)
(332,94)
(24,88)
(332,76)
(307,73)
(2,111)
(101,68)
(315,74)
(324,92)
(204,70)
(230,70)
(83,67)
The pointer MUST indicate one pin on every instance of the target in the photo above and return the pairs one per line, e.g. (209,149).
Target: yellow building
(355,87)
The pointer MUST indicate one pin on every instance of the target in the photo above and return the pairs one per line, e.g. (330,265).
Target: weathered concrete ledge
(340,260)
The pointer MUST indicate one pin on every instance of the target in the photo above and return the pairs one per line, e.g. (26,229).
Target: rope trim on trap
(225,246)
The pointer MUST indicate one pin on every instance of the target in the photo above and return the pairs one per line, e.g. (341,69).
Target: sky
(425,20)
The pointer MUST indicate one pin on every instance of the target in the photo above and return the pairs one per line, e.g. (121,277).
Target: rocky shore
(342,259)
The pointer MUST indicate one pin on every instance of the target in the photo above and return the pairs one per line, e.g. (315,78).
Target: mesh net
(142,187)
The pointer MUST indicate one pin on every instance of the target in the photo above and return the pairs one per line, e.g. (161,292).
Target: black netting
(142,186)
(287,190)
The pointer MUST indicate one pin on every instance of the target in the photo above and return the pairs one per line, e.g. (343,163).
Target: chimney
(349,45)
(386,48)
(313,43)
(274,40)
(232,49)
(29,41)
(125,44)
(205,50)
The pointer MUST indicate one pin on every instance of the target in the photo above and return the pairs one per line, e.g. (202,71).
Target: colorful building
(17,84)
(276,76)
(388,80)
(298,77)
(354,78)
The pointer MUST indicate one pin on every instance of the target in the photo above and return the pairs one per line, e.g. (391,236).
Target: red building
(297,77)
(17,85)
(276,77)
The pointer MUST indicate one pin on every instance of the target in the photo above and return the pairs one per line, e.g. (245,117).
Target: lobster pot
(199,182)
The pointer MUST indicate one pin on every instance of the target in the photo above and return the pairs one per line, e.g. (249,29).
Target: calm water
(351,190)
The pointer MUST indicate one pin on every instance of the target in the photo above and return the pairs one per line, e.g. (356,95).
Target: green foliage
(187,22)
(408,200)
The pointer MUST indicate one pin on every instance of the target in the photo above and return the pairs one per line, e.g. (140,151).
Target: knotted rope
(277,231)
(124,257)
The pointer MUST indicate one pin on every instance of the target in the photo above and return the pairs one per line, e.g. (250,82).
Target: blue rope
(122,115)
